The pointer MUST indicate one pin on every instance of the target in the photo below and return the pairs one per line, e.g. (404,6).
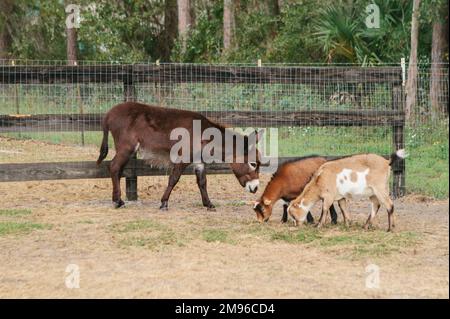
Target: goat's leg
(200,173)
(285,213)
(174,177)
(345,212)
(326,203)
(309,218)
(333,214)
(299,217)
(374,211)
(116,168)
(387,202)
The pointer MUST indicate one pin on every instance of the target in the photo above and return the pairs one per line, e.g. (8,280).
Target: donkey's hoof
(119,203)
(211,208)
(164,206)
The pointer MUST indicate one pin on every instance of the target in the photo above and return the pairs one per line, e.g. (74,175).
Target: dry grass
(189,252)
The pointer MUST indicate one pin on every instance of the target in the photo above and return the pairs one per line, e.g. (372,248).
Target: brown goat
(147,129)
(287,183)
(364,175)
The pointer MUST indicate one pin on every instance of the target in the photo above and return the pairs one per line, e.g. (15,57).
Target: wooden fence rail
(183,73)
(89,170)
(92,122)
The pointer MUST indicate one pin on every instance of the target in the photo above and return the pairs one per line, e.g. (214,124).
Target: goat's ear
(267,202)
(259,134)
(256,136)
(258,208)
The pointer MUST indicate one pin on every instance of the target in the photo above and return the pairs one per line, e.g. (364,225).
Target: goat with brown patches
(287,183)
(364,175)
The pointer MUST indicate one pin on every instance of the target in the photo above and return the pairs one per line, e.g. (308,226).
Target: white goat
(364,175)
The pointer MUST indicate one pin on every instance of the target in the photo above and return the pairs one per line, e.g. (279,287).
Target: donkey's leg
(200,173)
(173,180)
(116,168)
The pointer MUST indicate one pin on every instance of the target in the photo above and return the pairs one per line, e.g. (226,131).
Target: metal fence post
(398,138)
(129,91)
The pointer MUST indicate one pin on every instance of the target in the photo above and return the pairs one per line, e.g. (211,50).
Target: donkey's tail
(104,146)
(397,156)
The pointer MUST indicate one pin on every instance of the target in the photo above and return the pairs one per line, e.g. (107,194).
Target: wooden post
(398,185)
(131,181)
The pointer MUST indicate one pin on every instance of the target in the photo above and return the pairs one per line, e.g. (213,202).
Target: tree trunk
(274,7)
(411,85)
(184,20)
(6,8)
(170,30)
(71,42)
(228,24)
(438,48)
(280,5)
(71,46)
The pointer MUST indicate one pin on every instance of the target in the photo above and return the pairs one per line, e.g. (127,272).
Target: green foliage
(344,36)
(304,31)
(123,31)
(294,41)
(39,30)
(205,40)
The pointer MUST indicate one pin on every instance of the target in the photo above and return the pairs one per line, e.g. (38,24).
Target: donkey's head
(245,165)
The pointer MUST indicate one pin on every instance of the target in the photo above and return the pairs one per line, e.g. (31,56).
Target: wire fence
(318,109)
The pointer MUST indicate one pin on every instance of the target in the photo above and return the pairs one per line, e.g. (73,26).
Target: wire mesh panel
(325,110)
(51,112)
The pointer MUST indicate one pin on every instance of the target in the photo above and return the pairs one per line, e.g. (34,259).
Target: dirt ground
(188,252)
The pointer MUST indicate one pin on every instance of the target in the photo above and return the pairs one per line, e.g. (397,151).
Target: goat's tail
(397,156)
(104,146)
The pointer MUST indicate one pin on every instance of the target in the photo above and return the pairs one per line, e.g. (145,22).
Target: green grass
(304,236)
(15,212)
(16,228)
(215,235)
(148,234)
(427,166)
(352,242)
(427,170)
(138,225)
(346,242)
(68,138)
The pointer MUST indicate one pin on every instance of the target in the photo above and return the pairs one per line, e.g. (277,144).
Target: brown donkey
(146,129)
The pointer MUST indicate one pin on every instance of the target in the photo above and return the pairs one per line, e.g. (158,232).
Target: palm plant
(344,37)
